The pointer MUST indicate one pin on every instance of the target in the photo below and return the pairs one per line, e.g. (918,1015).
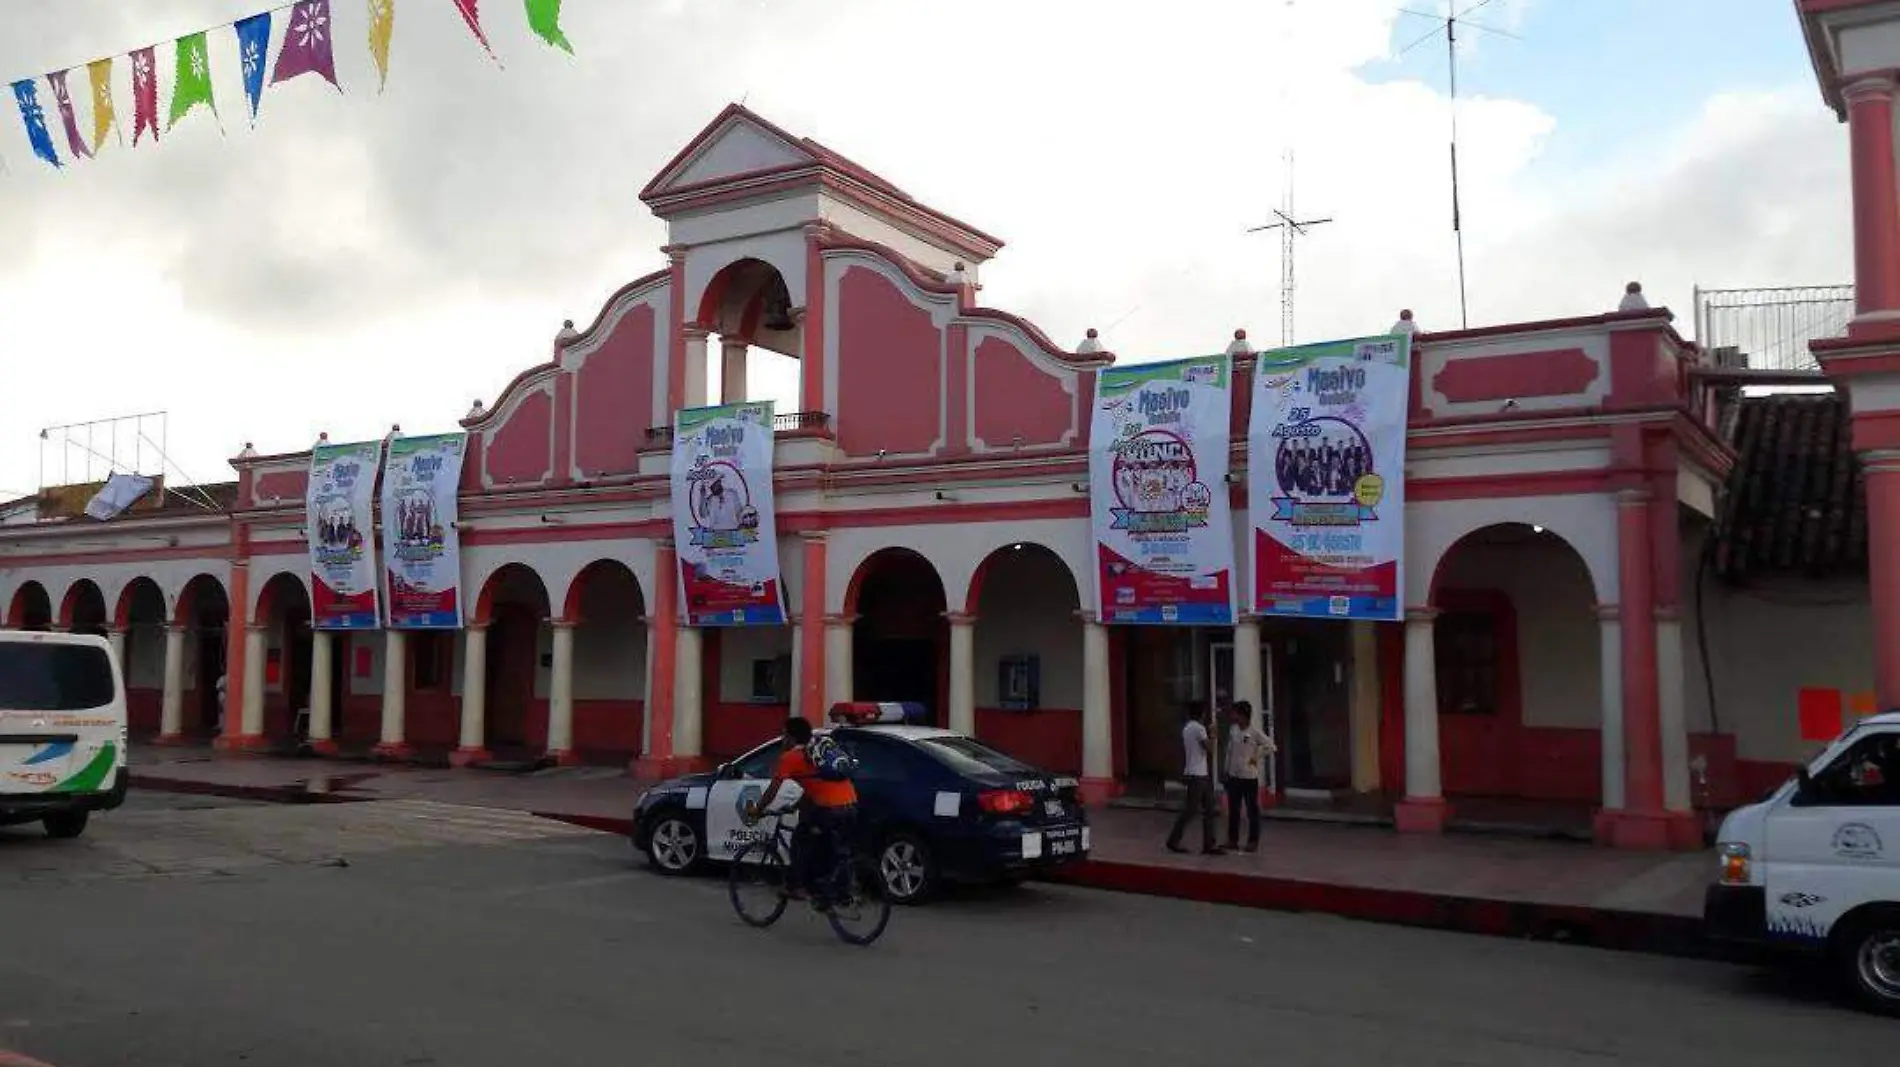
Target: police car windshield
(971,757)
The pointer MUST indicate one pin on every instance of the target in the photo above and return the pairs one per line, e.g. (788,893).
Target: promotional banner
(337,522)
(1326,479)
(723,521)
(422,552)
(1164,536)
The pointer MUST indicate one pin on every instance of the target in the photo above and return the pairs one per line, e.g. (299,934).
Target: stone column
(1882,472)
(1423,810)
(250,719)
(962,672)
(395,695)
(811,642)
(471,745)
(1642,732)
(1610,664)
(171,729)
(694,373)
(1098,729)
(1248,685)
(116,638)
(322,699)
(656,760)
(561,694)
(688,692)
(732,360)
(1672,717)
(798,665)
(813,322)
(837,660)
(1876,196)
(1367,693)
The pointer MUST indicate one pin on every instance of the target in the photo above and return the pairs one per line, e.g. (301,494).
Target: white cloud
(358,260)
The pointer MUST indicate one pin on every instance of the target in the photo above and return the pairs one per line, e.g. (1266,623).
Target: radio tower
(1286,219)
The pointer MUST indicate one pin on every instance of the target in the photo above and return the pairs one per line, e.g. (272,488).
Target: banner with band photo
(723,520)
(422,551)
(337,524)
(1162,524)
(1326,479)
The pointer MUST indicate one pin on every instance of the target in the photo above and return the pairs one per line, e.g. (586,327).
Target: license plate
(1062,848)
(1052,807)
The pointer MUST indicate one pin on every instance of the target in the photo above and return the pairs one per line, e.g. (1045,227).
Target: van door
(1835,844)
(62,722)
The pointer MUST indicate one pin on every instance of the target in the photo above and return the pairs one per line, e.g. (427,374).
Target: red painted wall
(734,729)
(1047,738)
(144,711)
(521,447)
(608,731)
(286,485)
(1016,397)
(890,368)
(613,395)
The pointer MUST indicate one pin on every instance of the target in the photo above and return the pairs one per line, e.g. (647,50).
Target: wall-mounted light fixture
(950,497)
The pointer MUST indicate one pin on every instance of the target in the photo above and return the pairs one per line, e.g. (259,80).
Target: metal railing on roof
(1769,329)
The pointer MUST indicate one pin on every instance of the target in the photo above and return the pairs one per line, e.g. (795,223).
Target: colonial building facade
(1566,500)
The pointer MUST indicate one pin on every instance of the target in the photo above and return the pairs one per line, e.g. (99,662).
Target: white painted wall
(610,658)
(955,550)
(1586,522)
(1557,629)
(1028,608)
(740,645)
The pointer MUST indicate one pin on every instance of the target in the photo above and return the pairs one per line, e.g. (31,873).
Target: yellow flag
(382,26)
(103,116)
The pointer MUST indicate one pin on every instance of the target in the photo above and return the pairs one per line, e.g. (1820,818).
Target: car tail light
(1006,802)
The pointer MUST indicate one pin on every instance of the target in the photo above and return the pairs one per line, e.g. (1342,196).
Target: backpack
(829,758)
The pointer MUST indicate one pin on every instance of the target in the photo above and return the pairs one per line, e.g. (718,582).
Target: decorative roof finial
(1091,345)
(1633,299)
(1406,324)
(476,411)
(1240,346)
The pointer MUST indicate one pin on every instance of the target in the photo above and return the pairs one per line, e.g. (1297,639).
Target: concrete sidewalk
(1473,883)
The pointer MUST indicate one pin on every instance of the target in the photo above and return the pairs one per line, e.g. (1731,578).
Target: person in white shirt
(1245,753)
(1196,750)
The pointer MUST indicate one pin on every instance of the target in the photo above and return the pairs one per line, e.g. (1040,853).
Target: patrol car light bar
(864,713)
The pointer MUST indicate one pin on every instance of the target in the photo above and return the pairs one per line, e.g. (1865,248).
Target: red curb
(606,824)
(279,794)
(15,1059)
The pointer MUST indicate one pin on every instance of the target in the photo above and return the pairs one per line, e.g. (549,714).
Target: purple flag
(64,98)
(307,44)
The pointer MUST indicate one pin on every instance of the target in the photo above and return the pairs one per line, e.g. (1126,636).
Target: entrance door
(895,669)
(513,660)
(1315,741)
(1476,715)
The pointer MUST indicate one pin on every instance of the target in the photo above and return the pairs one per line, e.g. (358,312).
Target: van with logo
(62,730)
(1815,868)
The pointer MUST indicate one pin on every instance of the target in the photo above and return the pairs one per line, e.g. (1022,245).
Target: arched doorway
(900,642)
(1518,664)
(204,611)
(760,335)
(1028,656)
(83,609)
(608,611)
(140,612)
(514,603)
(283,609)
(31,608)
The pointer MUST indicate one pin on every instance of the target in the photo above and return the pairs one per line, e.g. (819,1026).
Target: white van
(1816,866)
(62,730)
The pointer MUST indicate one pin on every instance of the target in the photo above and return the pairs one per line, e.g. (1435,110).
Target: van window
(1866,775)
(54,677)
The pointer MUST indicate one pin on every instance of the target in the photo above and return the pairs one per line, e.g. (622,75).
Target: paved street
(186,930)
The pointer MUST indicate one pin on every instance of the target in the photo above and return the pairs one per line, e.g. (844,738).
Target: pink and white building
(1567,482)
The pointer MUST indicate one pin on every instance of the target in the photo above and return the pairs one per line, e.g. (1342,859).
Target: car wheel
(906,870)
(673,845)
(1870,959)
(66,825)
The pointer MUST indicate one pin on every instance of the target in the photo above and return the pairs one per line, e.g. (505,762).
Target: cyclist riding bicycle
(827,817)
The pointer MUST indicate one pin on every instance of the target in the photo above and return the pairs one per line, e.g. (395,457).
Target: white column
(172,704)
(732,371)
(688,693)
(1672,715)
(322,699)
(1098,736)
(798,659)
(837,659)
(1366,696)
(474,690)
(1610,667)
(251,720)
(395,687)
(1247,681)
(962,673)
(116,638)
(1421,707)
(695,371)
(561,691)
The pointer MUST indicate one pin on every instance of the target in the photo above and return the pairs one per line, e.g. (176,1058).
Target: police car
(934,806)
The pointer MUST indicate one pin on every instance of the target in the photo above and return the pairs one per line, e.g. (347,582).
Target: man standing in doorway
(1246,750)
(1200,787)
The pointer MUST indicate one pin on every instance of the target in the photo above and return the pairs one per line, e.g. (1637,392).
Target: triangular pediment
(736,144)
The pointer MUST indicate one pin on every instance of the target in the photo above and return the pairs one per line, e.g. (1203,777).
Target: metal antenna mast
(1291,228)
(1449,23)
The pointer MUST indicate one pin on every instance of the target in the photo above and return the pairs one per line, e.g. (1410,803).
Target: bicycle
(764,865)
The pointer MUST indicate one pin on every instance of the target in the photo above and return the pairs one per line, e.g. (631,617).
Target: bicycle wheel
(861,917)
(756,884)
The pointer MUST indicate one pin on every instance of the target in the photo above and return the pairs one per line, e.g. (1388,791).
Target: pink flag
(308,42)
(472,15)
(144,94)
(74,142)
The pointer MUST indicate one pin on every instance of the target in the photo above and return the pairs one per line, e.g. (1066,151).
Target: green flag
(544,18)
(192,85)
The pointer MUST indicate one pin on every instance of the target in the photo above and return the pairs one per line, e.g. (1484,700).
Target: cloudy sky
(357,260)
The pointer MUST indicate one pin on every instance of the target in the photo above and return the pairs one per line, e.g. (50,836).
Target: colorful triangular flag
(26,94)
(308,44)
(144,95)
(253,38)
(382,27)
(104,117)
(63,98)
(191,83)
(544,18)
(471,14)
